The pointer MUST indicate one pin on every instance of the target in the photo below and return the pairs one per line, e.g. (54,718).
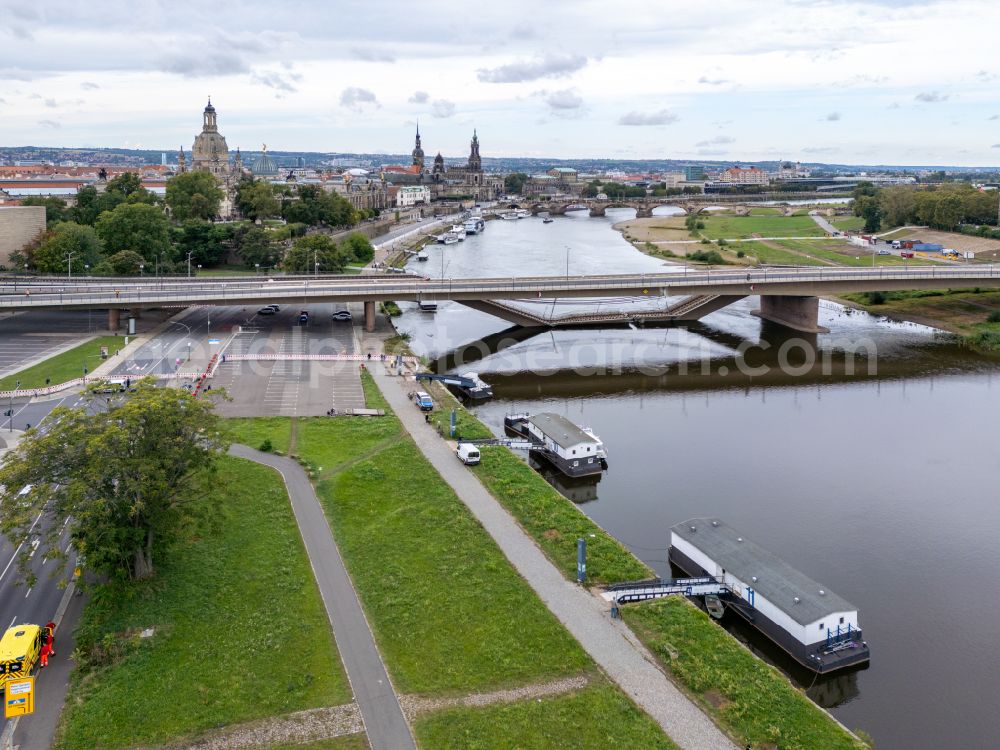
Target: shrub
(875,298)
(266,446)
(740,254)
(994,317)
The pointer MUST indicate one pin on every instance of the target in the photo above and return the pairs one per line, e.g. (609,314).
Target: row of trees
(127,230)
(942,206)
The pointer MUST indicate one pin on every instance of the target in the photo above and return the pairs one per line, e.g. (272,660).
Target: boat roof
(16,641)
(560,429)
(776,580)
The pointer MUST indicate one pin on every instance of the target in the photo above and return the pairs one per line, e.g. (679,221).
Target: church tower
(475,162)
(181,166)
(418,152)
(210,152)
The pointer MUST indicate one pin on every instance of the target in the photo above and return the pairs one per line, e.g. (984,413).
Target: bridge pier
(369,315)
(597,211)
(643,213)
(114,318)
(797,313)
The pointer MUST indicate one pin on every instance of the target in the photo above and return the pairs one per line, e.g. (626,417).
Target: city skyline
(838,82)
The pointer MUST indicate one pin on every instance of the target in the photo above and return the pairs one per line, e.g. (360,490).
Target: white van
(467,453)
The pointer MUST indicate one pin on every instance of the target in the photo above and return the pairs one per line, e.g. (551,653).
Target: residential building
(412,195)
(19,226)
(744,176)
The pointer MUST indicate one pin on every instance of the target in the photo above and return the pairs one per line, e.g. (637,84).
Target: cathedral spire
(418,151)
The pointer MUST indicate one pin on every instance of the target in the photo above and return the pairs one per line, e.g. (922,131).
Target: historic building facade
(210,152)
(466,181)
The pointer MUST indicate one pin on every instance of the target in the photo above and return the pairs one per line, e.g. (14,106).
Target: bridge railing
(384,287)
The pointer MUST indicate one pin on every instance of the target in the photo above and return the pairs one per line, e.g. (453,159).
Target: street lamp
(69,265)
(86,269)
(189,351)
(189,262)
(16,386)
(256,269)
(141,266)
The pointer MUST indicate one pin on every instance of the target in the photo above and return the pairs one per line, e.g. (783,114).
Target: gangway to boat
(639,591)
(518,443)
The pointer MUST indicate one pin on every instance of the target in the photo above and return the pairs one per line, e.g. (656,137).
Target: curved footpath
(384,722)
(609,642)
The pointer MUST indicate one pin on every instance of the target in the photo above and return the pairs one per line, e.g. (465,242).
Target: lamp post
(141,266)
(16,386)
(189,262)
(256,269)
(69,265)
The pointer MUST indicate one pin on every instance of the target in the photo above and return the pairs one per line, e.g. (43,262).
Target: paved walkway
(609,642)
(380,709)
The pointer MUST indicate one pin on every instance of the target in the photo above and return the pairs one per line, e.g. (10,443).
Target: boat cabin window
(821,626)
(841,620)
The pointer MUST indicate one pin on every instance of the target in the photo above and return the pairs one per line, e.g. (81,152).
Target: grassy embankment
(715,663)
(240,630)
(840,253)
(728,226)
(449,613)
(752,699)
(66,366)
(973,314)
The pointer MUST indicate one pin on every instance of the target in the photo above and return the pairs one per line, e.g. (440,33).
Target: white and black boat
(475,225)
(572,450)
(474,387)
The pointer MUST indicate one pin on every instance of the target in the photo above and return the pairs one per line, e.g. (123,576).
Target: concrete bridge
(689,203)
(789,296)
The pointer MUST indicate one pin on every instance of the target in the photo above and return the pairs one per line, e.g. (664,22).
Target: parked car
(275,308)
(266,311)
(423,400)
(884,252)
(342,315)
(467,453)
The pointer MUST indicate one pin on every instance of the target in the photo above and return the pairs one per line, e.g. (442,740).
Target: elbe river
(869,462)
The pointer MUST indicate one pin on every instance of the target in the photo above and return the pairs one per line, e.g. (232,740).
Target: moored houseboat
(570,449)
(815,626)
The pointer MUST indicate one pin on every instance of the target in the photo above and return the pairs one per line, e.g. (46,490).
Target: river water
(873,473)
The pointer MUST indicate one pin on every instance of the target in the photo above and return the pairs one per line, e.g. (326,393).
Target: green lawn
(347,742)
(765,254)
(841,253)
(751,699)
(66,366)
(253,431)
(241,632)
(847,223)
(595,718)
(449,612)
(738,227)
(325,444)
(554,522)
(229,271)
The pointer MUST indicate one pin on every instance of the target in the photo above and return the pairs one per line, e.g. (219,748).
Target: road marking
(14,556)
(12,620)
(27,593)
(34,548)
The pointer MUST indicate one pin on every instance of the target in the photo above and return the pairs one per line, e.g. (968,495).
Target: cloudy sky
(897,81)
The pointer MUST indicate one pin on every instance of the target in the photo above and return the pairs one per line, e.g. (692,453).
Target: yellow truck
(19,651)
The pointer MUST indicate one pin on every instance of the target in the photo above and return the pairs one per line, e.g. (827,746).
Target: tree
(125,263)
(135,226)
(126,480)
(126,183)
(358,248)
(194,195)
(898,205)
(864,188)
(513,183)
(255,200)
(314,249)
(208,243)
(948,212)
(257,248)
(316,206)
(871,212)
(55,208)
(51,255)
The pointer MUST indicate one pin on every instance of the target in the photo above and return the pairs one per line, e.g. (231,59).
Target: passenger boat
(427,306)
(508,216)
(547,220)
(572,450)
(452,239)
(475,225)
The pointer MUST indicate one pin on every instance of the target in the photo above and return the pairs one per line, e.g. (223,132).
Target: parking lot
(291,387)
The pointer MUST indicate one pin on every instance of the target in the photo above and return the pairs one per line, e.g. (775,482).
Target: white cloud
(89,85)
(832,117)
(281,82)
(442,108)
(419,97)
(565,99)
(931,97)
(49,124)
(356,97)
(719,140)
(372,54)
(549,66)
(712,81)
(662,117)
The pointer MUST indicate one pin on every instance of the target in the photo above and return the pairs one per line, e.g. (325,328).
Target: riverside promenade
(609,642)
